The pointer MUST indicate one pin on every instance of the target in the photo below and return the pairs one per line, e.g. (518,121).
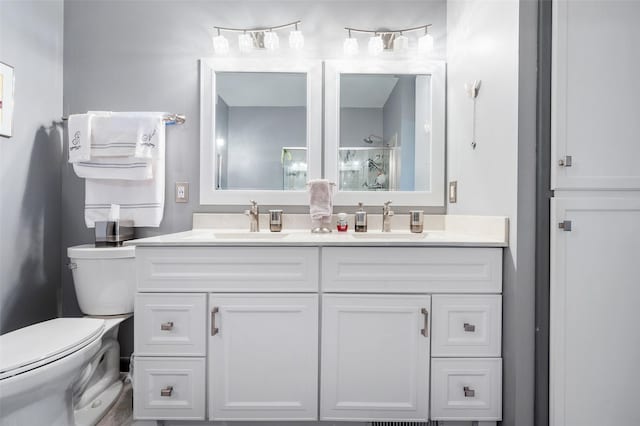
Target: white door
(595,94)
(375,357)
(595,312)
(263,357)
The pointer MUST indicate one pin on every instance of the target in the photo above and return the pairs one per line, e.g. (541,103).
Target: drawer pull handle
(469,327)
(214,329)
(166,326)
(166,391)
(425,330)
(468,392)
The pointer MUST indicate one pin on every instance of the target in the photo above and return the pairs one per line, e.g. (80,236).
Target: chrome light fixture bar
(384,39)
(258,38)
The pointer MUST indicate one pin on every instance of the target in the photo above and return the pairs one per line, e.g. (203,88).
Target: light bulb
(350,46)
(220,45)
(220,143)
(245,43)
(400,43)
(296,40)
(271,40)
(425,44)
(375,45)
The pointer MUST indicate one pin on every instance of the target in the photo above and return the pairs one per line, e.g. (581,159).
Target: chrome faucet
(254,217)
(386,217)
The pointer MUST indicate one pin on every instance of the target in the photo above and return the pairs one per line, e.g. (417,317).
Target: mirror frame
(437,71)
(208,166)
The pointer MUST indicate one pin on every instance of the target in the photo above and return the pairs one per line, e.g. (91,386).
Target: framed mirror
(260,134)
(385,131)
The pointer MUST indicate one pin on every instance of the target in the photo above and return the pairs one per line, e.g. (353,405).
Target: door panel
(375,357)
(595,295)
(263,358)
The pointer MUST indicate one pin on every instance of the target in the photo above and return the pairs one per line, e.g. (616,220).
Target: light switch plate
(182,192)
(453,192)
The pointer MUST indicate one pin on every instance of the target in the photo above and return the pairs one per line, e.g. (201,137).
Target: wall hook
(472,89)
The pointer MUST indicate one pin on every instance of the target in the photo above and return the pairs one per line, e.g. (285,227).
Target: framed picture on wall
(7,83)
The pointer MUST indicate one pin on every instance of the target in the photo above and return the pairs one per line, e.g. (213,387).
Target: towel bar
(168,119)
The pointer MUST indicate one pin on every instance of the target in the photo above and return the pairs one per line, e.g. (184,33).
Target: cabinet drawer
(466,325)
(227,269)
(170,324)
(169,388)
(466,389)
(412,270)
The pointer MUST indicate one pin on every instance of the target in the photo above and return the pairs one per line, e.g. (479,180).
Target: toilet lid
(89,251)
(39,344)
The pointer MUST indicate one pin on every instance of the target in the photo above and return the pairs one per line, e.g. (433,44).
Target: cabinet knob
(166,391)
(166,326)
(469,327)
(468,392)
(567,161)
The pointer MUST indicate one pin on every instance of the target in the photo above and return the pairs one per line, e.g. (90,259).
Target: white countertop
(453,231)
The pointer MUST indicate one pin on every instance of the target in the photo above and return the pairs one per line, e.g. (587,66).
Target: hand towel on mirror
(79,132)
(320,199)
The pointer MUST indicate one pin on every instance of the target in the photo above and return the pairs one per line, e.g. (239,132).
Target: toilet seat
(34,346)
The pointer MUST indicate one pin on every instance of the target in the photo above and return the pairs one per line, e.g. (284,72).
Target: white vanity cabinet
(331,333)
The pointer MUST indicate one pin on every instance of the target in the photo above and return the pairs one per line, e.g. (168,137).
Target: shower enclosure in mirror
(260,130)
(385,131)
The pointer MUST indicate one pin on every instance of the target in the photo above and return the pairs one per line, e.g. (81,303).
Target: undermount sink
(388,235)
(249,235)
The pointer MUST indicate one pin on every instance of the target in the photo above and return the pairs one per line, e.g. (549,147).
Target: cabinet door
(595,96)
(263,357)
(375,357)
(595,297)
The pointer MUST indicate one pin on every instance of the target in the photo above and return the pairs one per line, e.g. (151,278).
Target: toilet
(66,371)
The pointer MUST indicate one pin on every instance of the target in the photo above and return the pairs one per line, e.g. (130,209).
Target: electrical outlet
(182,192)
(453,192)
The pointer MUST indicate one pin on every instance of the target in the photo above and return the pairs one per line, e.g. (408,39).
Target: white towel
(140,200)
(125,168)
(320,199)
(79,131)
(126,134)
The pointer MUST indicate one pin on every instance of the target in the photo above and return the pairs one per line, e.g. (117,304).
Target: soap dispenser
(361,219)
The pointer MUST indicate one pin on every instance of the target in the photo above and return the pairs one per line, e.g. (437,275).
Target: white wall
(31,41)
(484,42)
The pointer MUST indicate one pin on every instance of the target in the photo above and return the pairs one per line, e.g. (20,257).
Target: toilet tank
(104,278)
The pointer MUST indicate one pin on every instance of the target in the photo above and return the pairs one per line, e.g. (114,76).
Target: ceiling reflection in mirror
(384,132)
(261,131)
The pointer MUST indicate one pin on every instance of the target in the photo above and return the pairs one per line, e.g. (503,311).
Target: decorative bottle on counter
(342,224)
(361,219)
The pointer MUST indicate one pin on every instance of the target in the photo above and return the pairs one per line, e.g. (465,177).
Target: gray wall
(256,136)
(358,123)
(31,41)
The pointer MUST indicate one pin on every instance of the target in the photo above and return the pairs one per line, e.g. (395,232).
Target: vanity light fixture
(376,45)
(401,43)
(258,38)
(425,43)
(220,44)
(384,39)
(350,45)
(296,39)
